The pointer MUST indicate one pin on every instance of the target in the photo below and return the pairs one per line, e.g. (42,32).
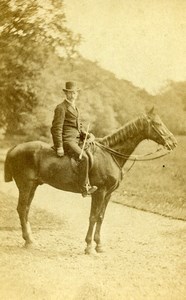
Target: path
(143,259)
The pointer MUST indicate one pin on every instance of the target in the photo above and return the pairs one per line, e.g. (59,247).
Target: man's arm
(57,129)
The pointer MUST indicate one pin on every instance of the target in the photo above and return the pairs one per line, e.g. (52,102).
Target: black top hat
(71,86)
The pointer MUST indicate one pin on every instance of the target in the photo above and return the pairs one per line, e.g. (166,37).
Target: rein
(132,157)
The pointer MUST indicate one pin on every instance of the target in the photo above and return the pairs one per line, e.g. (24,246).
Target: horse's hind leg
(26,195)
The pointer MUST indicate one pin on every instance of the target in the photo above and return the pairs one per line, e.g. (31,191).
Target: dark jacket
(65,125)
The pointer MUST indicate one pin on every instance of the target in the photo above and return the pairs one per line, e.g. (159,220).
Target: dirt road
(143,258)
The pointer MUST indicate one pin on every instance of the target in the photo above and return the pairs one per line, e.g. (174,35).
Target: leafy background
(38,53)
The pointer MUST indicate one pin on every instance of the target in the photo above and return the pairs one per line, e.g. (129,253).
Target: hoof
(30,244)
(88,250)
(99,249)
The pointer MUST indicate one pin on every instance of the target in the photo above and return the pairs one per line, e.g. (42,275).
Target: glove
(82,135)
(60,152)
(91,137)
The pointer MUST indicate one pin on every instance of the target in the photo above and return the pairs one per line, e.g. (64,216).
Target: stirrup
(88,190)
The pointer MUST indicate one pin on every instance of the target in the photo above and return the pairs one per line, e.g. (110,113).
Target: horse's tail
(8,176)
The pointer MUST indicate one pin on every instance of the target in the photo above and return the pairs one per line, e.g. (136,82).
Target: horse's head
(158,132)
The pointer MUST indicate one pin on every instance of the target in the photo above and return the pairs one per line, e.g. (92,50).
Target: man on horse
(67,133)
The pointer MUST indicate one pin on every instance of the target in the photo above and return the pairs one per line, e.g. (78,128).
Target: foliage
(107,102)
(26,40)
(172,106)
(39,54)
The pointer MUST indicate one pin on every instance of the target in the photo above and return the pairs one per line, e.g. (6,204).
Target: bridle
(143,157)
(159,132)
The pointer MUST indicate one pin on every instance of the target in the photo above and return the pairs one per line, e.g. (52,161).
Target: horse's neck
(130,144)
(126,139)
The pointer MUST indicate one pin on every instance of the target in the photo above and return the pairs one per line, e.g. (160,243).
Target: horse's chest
(108,174)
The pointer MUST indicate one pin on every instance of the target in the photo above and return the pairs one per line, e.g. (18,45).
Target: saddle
(89,148)
(75,162)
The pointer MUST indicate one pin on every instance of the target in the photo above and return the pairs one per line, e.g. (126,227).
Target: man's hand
(60,152)
(91,137)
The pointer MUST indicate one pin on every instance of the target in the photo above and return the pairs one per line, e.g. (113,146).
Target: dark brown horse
(33,163)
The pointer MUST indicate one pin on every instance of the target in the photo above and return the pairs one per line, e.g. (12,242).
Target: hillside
(105,101)
(36,63)
(172,106)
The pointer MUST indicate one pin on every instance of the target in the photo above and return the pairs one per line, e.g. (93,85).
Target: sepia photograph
(92,149)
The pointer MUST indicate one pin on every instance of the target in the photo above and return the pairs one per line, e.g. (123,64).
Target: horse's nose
(171,143)
(169,147)
(175,143)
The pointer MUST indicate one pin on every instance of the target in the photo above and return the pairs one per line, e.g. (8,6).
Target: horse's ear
(151,111)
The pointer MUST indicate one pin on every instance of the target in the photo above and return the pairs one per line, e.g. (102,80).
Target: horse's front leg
(97,199)
(92,221)
(100,218)
(88,238)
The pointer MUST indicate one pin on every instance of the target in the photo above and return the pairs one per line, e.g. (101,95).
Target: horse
(33,163)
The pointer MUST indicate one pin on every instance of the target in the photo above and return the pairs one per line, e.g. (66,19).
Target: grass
(159,185)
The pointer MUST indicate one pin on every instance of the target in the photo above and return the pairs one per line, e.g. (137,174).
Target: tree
(29,33)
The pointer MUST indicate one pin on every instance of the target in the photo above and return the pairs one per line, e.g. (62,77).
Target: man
(66,133)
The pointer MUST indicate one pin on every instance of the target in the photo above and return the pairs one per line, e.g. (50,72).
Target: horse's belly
(59,173)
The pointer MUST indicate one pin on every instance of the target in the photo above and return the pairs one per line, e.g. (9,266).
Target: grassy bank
(159,185)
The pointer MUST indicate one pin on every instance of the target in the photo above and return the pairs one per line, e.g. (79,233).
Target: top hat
(71,86)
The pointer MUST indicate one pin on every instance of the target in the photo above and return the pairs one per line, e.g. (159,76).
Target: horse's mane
(125,132)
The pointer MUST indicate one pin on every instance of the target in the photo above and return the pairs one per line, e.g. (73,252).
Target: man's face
(71,95)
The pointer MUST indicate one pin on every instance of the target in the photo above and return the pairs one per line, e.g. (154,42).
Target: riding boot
(74,150)
(87,189)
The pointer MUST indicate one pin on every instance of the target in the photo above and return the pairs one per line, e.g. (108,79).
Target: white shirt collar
(72,104)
